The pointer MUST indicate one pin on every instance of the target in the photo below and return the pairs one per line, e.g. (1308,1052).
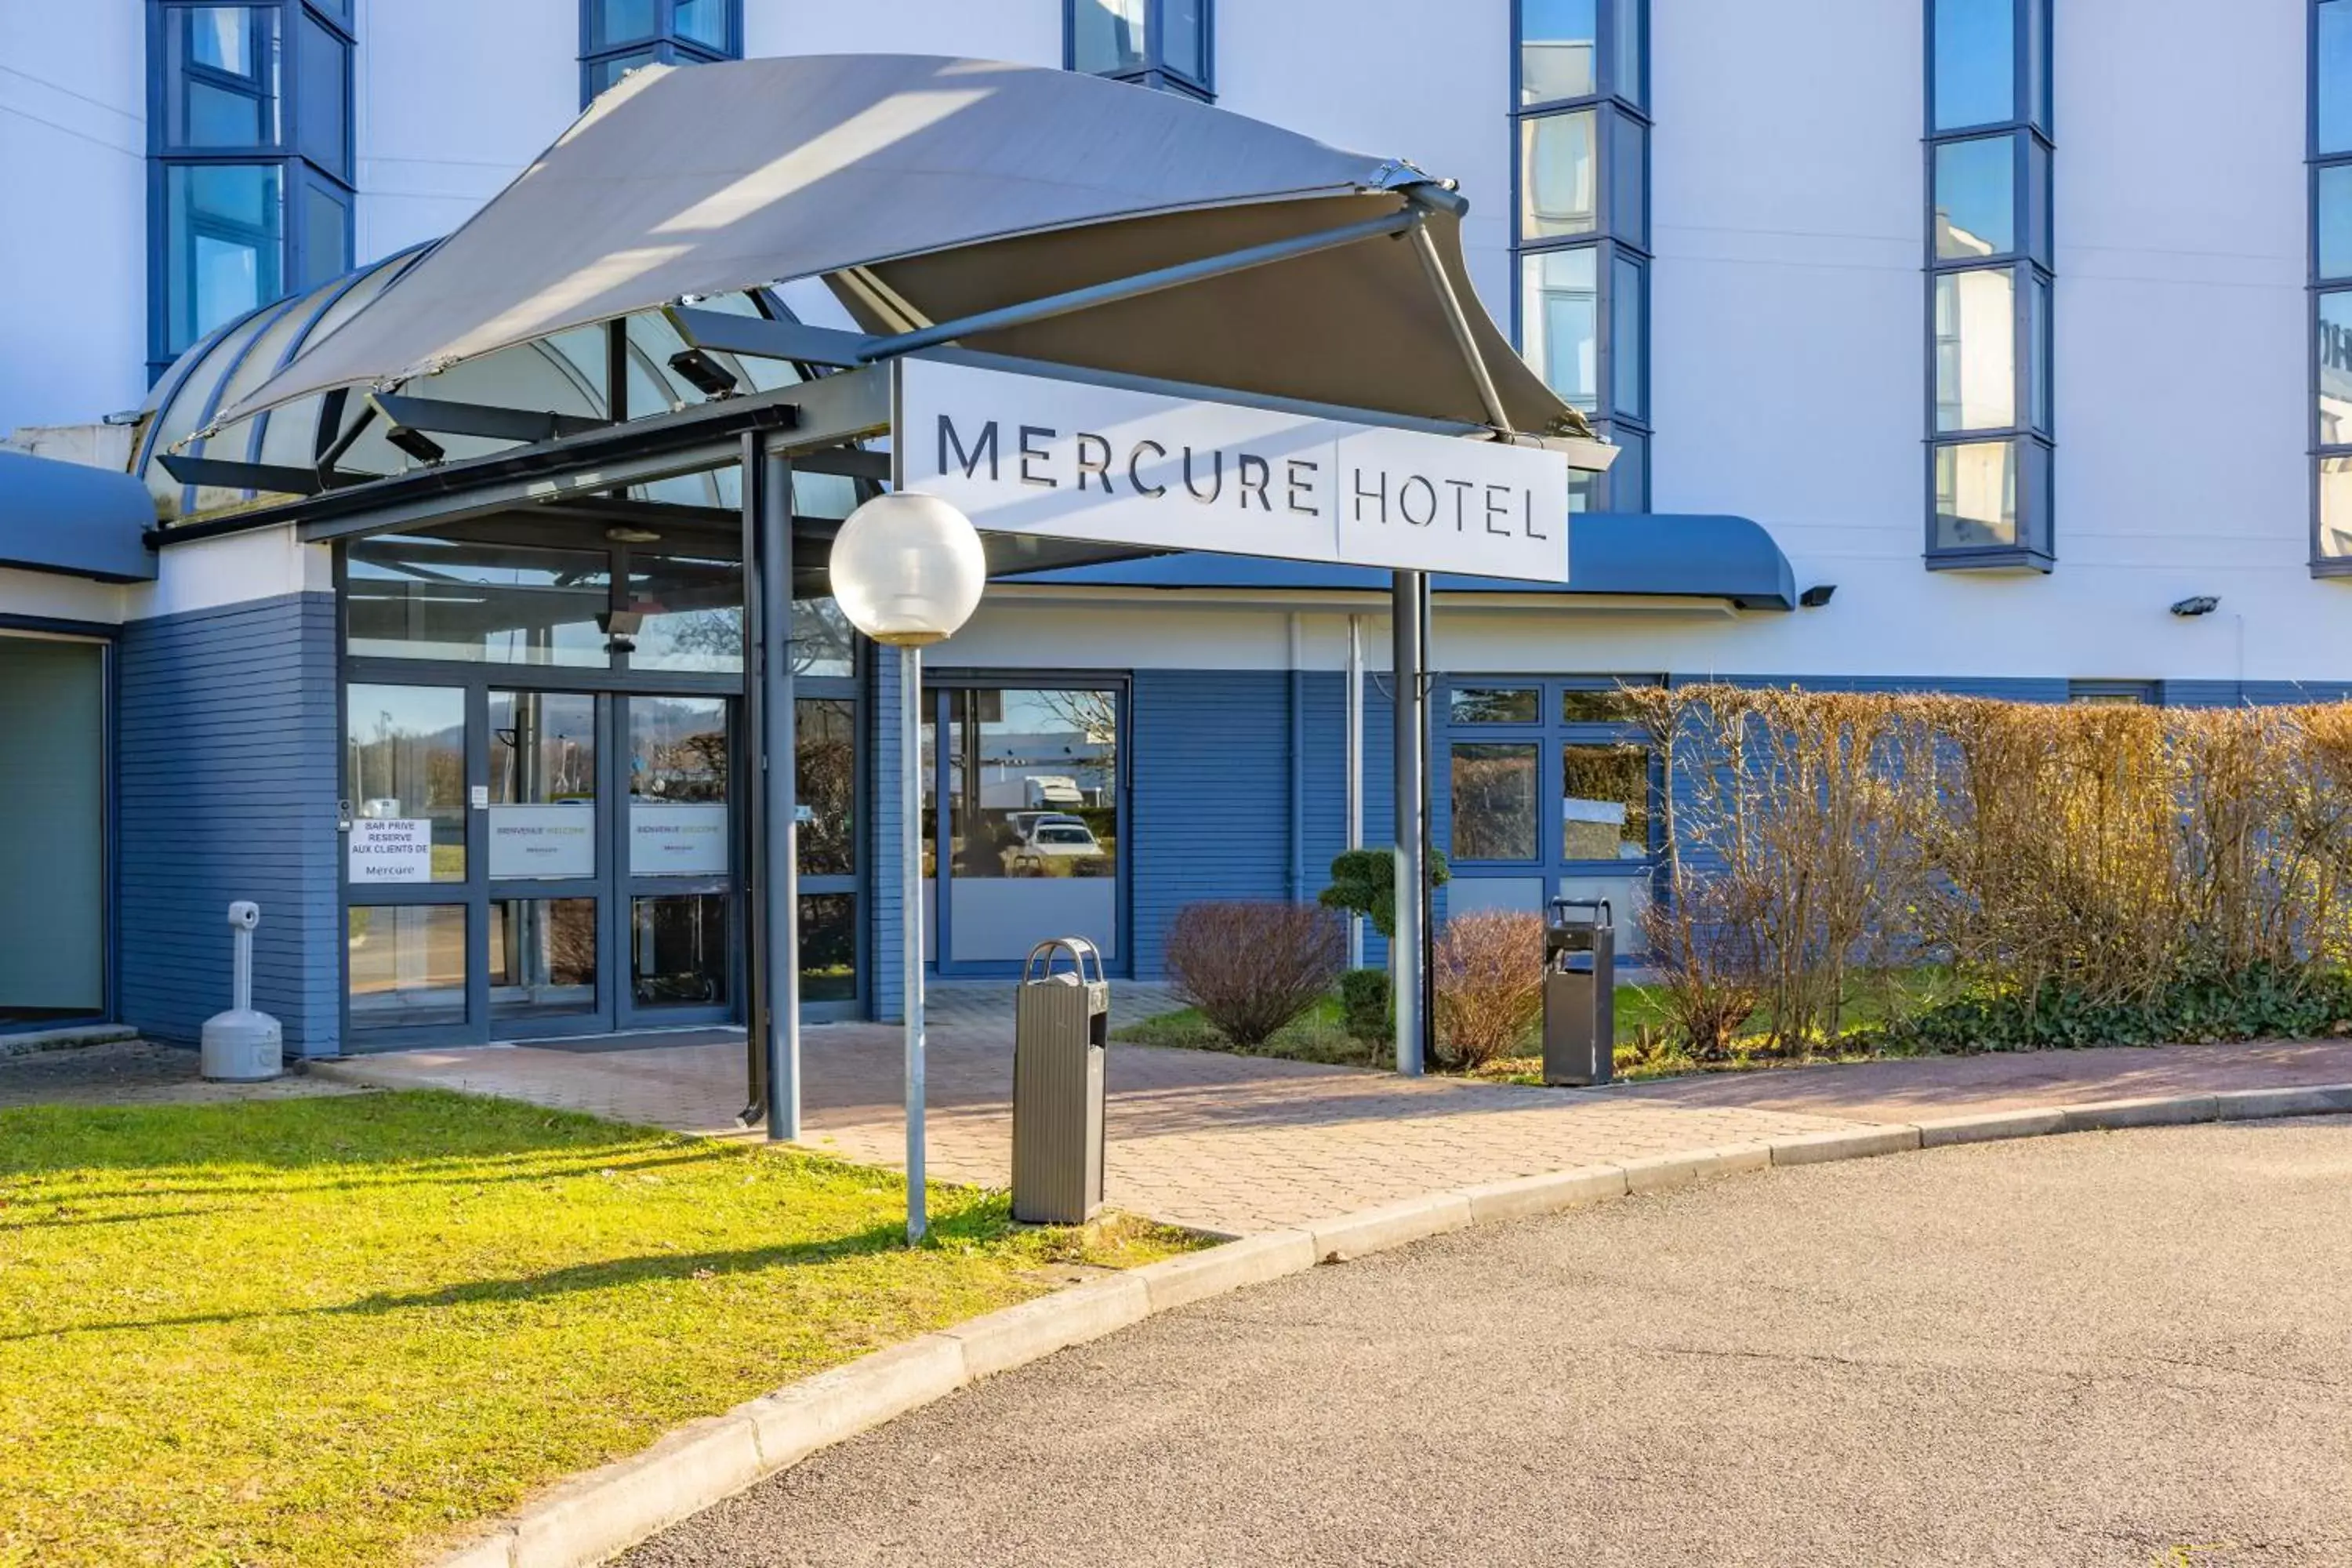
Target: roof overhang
(1611,556)
(74,521)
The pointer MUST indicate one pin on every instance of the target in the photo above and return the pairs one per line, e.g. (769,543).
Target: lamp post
(908,571)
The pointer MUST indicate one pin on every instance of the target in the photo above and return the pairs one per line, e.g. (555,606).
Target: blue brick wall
(227,783)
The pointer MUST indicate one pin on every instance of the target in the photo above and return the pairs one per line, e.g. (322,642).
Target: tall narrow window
(1581,222)
(249,144)
(2331,286)
(616,36)
(1990,441)
(1166,44)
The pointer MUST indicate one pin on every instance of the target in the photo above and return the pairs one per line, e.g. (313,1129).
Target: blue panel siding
(227,786)
(1238,786)
(2199,693)
(1209,795)
(2290,692)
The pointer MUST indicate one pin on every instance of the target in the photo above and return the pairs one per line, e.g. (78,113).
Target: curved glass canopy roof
(564,375)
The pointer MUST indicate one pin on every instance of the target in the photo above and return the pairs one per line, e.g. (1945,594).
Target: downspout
(1298,894)
(1355,771)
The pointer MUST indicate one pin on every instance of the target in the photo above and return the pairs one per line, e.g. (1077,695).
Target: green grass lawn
(339,1330)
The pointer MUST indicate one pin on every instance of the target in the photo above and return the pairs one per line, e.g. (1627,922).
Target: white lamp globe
(908,570)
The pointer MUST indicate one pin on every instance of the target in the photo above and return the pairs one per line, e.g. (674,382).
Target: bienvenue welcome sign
(1029,454)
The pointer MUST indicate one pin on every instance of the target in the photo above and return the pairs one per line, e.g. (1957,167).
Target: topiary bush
(1251,968)
(1367,1009)
(1363,882)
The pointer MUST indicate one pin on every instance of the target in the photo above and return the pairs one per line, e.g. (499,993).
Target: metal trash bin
(1579,993)
(1061,1035)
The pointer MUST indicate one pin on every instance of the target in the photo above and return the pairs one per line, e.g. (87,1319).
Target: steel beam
(523,424)
(719,332)
(830,411)
(228,473)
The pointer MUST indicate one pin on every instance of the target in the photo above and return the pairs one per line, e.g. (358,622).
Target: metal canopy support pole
(754,725)
(1407,950)
(910,909)
(1464,340)
(1355,771)
(779,844)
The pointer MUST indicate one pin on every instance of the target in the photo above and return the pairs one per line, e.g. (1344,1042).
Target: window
(1167,44)
(1585,734)
(249,143)
(2112,693)
(1495,801)
(1495,704)
(1989,244)
(616,36)
(1581,214)
(444,598)
(2331,285)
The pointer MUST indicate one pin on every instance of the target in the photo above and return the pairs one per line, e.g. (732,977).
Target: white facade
(1788,300)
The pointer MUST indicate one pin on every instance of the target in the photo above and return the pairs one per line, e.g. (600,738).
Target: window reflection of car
(1056,845)
(1062,841)
(1025,823)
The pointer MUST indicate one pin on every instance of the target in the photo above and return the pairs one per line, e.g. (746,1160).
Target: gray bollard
(242,1046)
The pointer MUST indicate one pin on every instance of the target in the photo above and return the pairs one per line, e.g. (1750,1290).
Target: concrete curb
(599,1513)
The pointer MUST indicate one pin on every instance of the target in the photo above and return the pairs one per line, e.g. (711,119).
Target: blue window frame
(250,165)
(616,36)
(1166,44)
(1547,785)
(1992,447)
(1580,217)
(2330,156)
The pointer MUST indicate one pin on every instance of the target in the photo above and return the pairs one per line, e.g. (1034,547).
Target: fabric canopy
(956,185)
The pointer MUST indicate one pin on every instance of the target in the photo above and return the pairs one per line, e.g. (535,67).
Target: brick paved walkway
(1226,1143)
(135,1072)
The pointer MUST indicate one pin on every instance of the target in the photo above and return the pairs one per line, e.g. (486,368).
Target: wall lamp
(704,374)
(1814,598)
(2204,604)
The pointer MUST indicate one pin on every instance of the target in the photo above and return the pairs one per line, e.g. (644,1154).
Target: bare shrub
(1487,971)
(1251,968)
(1791,853)
(2097,857)
(1703,951)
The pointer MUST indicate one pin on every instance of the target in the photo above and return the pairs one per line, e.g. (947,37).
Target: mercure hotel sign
(1027,454)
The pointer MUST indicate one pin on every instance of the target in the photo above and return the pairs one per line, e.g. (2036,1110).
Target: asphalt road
(2124,1348)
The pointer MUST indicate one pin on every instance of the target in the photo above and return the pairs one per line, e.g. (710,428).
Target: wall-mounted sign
(542,841)
(391,849)
(677,840)
(1026,453)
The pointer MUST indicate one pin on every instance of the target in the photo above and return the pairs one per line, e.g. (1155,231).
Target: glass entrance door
(1028,821)
(681,942)
(546,862)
